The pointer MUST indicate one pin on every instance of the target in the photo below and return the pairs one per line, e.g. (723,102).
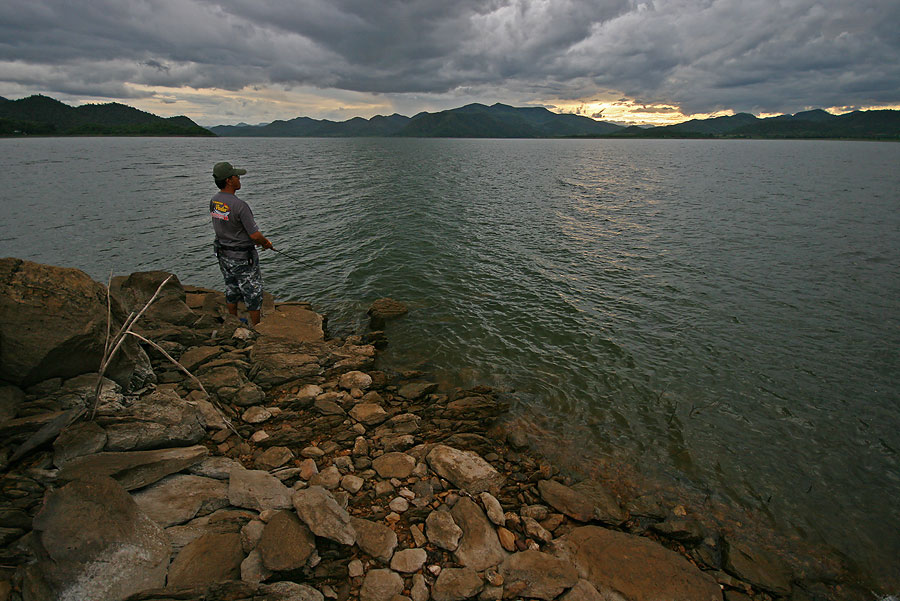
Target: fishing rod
(292,258)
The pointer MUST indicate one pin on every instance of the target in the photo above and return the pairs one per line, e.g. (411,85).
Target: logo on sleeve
(220,210)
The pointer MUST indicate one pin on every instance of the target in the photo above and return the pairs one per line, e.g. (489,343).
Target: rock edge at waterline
(306,473)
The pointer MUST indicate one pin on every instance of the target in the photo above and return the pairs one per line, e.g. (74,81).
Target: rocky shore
(288,468)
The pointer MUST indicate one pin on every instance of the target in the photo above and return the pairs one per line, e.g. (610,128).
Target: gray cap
(225,170)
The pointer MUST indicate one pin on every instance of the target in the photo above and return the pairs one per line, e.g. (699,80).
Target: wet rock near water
(305,474)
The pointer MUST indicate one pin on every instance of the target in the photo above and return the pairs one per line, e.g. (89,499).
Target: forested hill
(41,115)
(470,121)
(859,125)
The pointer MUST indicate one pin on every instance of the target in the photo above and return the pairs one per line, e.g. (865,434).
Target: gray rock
(11,398)
(253,570)
(273,457)
(133,469)
(196,356)
(405,423)
(78,440)
(456,584)
(248,394)
(98,543)
(394,465)
(386,308)
(633,567)
(409,560)
(570,502)
(479,547)
(259,490)
(279,361)
(465,469)
(53,323)
(219,522)
(180,497)
(376,540)
(493,508)
(291,591)
(329,478)
(223,376)
(286,543)
(159,420)
(537,575)
(585,591)
(251,534)
(207,560)
(256,415)
(326,407)
(324,516)
(416,390)
(369,414)
(217,467)
(355,379)
(606,508)
(758,567)
(534,530)
(419,590)
(442,530)
(380,585)
(352,484)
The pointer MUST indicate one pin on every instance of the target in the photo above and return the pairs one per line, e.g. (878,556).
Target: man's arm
(261,240)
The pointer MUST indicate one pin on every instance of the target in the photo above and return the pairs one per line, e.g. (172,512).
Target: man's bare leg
(254,317)
(232,308)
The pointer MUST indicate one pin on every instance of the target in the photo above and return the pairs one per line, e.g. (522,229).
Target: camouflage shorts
(243,281)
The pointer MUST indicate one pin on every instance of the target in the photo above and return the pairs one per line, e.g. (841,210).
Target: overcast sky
(254,61)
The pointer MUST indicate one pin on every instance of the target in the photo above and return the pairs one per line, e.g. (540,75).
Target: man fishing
(237,236)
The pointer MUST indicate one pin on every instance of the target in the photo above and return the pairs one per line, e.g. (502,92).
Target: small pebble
(355,568)
(259,436)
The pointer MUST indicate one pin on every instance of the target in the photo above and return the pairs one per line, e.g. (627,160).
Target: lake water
(721,318)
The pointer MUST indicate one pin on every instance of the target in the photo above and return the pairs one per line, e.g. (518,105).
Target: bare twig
(120,338)
(190,375)
(108,313)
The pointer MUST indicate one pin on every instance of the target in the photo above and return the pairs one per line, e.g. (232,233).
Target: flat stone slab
(180,497)
(292,323)
(537,575)
(259,490)
(465,469)
(565,500)
(633,567)
(133,469)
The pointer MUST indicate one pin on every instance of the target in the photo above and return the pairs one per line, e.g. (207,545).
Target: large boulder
(134,469)
(97,544)
(633,567)
(136,289)
(53,323)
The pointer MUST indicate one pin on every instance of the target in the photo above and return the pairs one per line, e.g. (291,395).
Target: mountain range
(502,121)
(42,115)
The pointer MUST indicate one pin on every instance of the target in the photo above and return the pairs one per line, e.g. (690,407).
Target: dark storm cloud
(701,55)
